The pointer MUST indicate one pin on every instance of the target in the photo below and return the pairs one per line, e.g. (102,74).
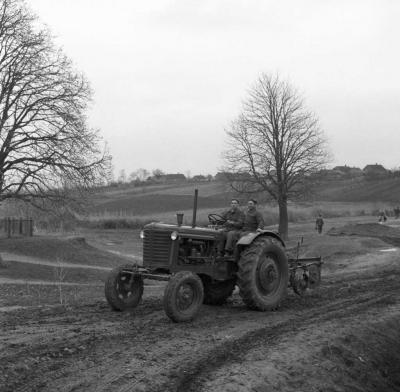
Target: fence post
(30,227)
(8,228)
(20,226)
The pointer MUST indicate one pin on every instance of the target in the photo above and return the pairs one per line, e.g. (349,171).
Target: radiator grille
(156,247)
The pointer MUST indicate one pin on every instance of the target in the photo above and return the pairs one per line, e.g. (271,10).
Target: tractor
(186,258)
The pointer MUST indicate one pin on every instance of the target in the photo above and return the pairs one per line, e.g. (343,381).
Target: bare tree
(139,175)
(47,151)
(274,143)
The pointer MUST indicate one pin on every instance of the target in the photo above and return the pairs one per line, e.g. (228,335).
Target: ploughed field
(344,336)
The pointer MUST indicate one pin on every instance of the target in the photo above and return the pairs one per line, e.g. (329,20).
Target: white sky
(170,75)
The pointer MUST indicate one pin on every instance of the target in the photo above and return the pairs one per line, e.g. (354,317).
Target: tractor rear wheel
(122,289)
(183,296)
(216,293)
(263,274)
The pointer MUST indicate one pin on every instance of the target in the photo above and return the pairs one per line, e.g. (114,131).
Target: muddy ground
(344,336)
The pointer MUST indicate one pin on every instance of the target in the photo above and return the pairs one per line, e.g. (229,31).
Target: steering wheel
(216,219)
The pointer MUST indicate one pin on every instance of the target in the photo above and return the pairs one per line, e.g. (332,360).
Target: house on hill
(168,178)
(200,178)
(355,172)
(375,171)
(347,171)
(344,169)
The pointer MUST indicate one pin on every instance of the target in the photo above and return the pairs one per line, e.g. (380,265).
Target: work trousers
(228,240)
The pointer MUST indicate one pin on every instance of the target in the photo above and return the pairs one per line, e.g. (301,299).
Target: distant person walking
(319,223)
(396,211)
(382,217)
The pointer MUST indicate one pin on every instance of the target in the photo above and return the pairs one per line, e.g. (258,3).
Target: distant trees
(274,143)
(139,175)
(157,173)
(47,151)
(143,176)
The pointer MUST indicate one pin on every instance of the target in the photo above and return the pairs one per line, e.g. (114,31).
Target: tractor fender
(250,237)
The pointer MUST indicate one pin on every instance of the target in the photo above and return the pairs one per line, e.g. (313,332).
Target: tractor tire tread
(169,300)
(245,281)
(112,295)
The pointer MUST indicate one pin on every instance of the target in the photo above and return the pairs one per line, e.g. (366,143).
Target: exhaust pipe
(196,193)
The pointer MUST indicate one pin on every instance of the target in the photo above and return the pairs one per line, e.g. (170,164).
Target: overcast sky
(170,75)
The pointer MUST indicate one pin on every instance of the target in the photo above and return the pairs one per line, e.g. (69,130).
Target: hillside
(139,201)
(357,190)
(145,200)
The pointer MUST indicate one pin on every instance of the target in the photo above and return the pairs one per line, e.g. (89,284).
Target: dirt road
(343,337)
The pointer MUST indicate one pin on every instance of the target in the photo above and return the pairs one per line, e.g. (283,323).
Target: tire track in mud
(53,359)
(191,376)
(123,379)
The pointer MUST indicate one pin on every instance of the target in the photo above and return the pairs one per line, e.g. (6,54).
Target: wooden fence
(17,227)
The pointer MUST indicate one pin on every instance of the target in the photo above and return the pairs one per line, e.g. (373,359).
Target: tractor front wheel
(183,296)
(263,274)
(123,290)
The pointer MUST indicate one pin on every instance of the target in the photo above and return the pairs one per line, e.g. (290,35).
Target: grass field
(132,207)
(69,250)
(298,212)
(129,207)
(361,190)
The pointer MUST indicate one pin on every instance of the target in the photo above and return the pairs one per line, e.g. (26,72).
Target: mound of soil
(40,272)
(72,250)
(386,233)
(4,263)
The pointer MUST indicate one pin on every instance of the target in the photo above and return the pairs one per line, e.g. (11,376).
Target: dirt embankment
(73,250)
(383,232)
(345,336)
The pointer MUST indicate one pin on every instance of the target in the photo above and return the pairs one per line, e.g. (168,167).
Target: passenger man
(253,220)
(231,228)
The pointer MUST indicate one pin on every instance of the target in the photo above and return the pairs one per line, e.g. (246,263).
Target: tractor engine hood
(203,232)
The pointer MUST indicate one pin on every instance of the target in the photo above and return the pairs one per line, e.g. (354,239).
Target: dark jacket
(319,222)
(253,220)
(237,216)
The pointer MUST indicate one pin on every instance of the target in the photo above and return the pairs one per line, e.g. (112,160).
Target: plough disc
(299,281)
(314,276)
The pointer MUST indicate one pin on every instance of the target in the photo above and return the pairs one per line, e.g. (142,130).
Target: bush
(114,223)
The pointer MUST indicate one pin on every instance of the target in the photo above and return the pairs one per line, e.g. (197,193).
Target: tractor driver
(234,217)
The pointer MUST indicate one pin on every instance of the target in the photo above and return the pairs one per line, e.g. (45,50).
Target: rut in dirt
(192,375)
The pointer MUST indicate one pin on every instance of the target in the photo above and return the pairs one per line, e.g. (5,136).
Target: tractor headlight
(142,234)
(174,235)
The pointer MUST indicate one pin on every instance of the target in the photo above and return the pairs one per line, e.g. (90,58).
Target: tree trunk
(283,219)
